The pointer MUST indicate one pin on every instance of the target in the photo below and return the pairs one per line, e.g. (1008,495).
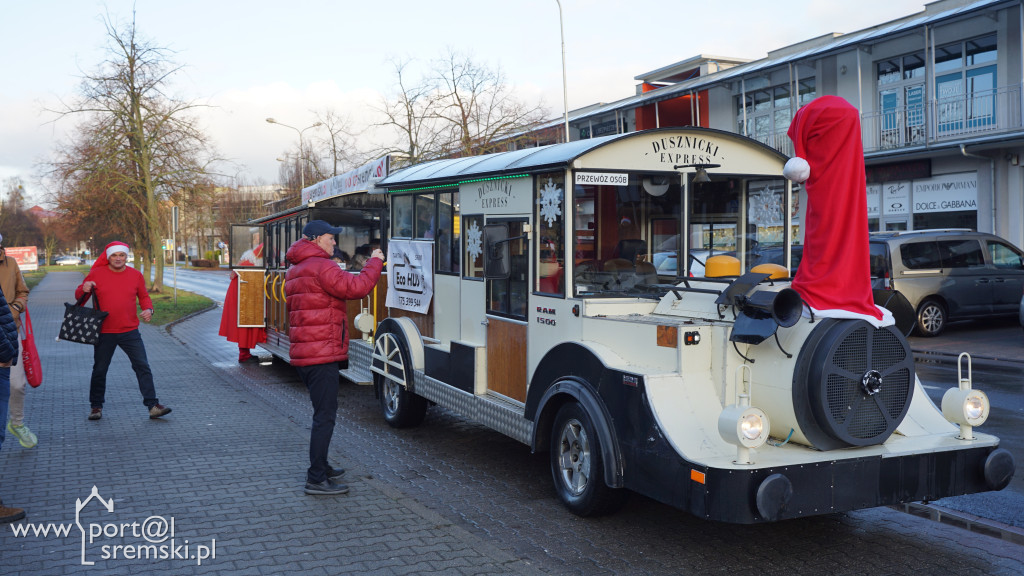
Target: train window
(402,212)
(447,239)
(473,250)
(426,219)
(550,246)
(615,230)
(508,296)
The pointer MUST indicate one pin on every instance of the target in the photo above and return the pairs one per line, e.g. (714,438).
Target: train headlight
(963,405)
(751,426)
(744,426)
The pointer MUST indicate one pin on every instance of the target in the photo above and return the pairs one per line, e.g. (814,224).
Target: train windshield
(631,231)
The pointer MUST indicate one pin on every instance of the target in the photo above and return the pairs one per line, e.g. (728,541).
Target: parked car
(68,261)
(949,275)
(1021,312)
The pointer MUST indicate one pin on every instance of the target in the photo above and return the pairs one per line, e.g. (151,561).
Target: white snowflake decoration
(473,241)
(550,202)
(765,207)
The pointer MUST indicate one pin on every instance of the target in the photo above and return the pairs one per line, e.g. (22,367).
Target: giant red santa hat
(834,277)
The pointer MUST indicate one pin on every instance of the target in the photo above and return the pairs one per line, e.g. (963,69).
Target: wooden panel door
(506,358)
(250,299)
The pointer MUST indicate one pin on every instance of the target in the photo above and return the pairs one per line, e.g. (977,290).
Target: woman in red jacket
(316,290)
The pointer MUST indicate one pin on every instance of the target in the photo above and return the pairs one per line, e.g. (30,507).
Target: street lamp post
(302,169)
(565,89)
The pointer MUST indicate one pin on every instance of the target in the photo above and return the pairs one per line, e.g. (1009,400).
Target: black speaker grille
(839,410)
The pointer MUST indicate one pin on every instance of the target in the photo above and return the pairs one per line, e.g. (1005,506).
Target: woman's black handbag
(82,324)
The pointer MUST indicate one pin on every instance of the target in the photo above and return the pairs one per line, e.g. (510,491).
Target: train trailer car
(607,301)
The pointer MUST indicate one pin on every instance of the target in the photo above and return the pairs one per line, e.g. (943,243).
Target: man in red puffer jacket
(316,289)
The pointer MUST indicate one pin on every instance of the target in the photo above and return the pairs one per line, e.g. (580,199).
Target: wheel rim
(574,457)
(388,359)
(931,318)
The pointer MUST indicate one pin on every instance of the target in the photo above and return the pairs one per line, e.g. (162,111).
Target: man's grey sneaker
(25,436)
(96,414)
(158,410)
(326,488)
(335,473)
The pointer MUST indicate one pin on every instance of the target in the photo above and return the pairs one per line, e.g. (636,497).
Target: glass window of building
(901,100)
(764,113)
(965,86)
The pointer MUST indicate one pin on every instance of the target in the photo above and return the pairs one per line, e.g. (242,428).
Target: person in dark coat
(8,358)
(316,290)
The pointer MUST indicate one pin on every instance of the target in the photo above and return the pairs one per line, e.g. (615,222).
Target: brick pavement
(226,466)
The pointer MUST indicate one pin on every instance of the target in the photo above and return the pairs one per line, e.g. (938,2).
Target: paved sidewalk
(994,343)
(224,472)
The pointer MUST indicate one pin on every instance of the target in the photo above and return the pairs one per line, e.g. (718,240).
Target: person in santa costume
(246,338)
(834,277)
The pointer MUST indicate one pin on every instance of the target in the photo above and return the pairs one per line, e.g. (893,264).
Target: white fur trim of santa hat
(797,169)
(115,249)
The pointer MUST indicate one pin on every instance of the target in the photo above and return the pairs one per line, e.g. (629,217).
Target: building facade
(939,94)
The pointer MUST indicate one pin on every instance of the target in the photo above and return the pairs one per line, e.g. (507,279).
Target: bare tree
(479,110)
(141,143)
(15,225)
(339,144)
(459,108)
(412,113)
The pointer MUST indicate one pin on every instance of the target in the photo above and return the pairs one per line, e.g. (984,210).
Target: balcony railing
(983,112)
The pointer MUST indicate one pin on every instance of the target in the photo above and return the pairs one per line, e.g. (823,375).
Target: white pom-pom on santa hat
(797,169)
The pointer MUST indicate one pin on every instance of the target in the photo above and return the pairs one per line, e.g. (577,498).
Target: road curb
(950,359)
(965,521)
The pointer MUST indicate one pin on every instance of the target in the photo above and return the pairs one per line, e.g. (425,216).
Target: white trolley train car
(563,296)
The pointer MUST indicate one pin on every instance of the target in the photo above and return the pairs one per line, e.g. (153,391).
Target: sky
(257,59)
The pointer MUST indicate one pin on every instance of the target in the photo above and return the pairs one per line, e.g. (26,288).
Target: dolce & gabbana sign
(948,193)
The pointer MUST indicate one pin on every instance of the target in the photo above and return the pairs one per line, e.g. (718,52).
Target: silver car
(949,275)
(68,261)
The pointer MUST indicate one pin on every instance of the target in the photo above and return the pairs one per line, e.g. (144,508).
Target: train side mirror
(497,261)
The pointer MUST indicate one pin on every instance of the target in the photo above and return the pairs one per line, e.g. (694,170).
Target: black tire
(577,467)
(401,408)
(931,318)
